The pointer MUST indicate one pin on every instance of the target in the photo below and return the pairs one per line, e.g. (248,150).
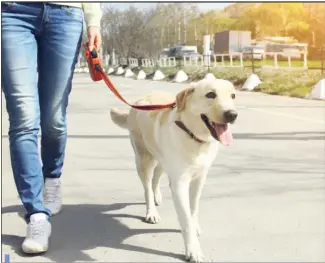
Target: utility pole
(179,31)
(162,38)
(323,48)
(175,33)
(168,36)
(195,34)
(185,28)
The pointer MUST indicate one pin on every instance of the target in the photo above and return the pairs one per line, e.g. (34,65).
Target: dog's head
(212,100)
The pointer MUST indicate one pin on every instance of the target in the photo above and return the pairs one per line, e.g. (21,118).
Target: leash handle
(97,73)
(94,64)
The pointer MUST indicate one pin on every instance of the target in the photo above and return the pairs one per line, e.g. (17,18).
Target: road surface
(263,200)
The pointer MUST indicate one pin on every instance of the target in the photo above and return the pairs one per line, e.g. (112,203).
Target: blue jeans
(40,46)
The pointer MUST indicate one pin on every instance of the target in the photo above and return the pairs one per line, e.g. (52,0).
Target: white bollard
(119,71)
(318,91)
(158,75)
(289,61)
(276,60)
(252,82)
(128,73)
(305,61)
(180,76)
(141,75)
(110,70)
(209,76)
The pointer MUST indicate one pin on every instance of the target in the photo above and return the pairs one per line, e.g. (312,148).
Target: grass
(268,62)
(294,63)
(278,82)
(293,84)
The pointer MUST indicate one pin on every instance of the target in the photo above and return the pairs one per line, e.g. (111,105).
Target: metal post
(305,60)
(323,58)
(253,65)
(323,49)
(185,27)
(179,32)
(276,60)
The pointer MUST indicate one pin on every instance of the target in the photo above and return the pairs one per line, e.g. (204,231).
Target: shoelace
(51,193)
(36,229)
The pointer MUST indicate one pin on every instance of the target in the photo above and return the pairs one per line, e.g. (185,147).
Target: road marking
(288,115)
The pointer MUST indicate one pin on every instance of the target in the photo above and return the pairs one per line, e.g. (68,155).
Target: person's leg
(19,83)
(58,52)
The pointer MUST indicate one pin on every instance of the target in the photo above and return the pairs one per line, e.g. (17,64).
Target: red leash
(97,73)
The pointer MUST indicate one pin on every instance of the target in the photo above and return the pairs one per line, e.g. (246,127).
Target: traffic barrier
(133,62)
(167,62)
(158,75)
(141,75)
(147,63)
(231,56)
(209,76)
(252,82)
(193,61)
(318,91)
(128,73)
(110,70)
(180,76)
(119,71)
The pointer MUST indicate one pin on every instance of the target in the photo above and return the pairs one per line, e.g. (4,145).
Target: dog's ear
(182,97)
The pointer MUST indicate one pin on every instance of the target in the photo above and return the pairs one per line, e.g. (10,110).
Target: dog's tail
(119,118)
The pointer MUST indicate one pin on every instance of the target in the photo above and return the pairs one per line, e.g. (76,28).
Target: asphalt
(263,200)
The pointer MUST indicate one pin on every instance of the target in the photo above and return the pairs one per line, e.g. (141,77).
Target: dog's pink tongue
(224,134)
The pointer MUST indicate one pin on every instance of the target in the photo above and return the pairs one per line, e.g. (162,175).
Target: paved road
(263,201)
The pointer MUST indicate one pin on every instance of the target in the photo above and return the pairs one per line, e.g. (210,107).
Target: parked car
(190,53)
(179,51)
(256,51)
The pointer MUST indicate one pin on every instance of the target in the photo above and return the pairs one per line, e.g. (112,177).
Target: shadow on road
(88,226)
(277,136)
(282,136)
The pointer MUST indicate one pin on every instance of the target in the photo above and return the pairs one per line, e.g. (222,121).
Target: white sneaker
(38,233)
(52,195)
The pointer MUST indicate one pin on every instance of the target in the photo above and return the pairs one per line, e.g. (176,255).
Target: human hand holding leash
(94,38)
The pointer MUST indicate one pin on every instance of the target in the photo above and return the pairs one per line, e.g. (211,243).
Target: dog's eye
(233,96)
(211,95)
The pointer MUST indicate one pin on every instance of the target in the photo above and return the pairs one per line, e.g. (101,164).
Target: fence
(270,60)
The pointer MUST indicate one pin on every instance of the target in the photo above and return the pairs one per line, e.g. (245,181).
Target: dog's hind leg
(158,172)
(145,164)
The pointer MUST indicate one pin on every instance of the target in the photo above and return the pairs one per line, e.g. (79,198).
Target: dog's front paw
(158,198)
(194,253)
(152,217)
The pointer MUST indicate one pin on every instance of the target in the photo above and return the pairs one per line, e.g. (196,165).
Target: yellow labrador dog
(181,142)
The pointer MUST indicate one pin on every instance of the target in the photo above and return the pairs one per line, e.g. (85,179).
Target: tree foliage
(146,31)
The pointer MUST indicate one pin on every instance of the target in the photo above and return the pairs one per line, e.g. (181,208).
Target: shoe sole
(34,248)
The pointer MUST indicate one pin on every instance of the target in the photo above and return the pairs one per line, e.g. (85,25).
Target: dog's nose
(230,115)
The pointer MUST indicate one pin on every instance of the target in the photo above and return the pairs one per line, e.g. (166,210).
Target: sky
(202,6)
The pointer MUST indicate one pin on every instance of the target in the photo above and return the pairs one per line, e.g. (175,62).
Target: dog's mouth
(221,132)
